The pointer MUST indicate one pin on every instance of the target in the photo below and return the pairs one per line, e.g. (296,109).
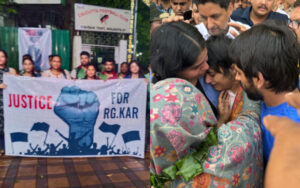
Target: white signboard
(38,1)
(48,117)
(102,19)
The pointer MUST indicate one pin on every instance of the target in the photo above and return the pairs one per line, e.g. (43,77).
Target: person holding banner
(135,70)
(124,70)
(28,67)
(184,151)
(55,70)
(109,71)
(4,69)
(80,71)
(91,72)
(3,64)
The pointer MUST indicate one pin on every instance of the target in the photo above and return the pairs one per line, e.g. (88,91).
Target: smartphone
(187,15)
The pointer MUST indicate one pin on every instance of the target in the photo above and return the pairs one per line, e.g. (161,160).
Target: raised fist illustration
(79,109)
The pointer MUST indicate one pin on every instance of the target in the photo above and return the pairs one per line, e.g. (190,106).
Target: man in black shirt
(260,11)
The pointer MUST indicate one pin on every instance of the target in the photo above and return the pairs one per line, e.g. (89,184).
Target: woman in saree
(179,113)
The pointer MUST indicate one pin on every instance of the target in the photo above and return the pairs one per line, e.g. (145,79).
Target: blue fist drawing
(79,109)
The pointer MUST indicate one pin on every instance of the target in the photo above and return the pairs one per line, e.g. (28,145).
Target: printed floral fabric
(178,112)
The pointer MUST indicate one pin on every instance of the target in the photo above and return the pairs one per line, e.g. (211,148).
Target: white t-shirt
(204,32)
(279,10)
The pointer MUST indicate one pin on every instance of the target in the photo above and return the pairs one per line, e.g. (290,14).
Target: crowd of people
(218,72)
(86,70)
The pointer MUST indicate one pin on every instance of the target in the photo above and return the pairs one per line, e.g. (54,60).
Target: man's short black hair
(85,53)
(109,60)
(222,3)
(217,51)
(272,50)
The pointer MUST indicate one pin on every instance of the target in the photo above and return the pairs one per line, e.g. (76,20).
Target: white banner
(36,42)
(48,117)
(96,18)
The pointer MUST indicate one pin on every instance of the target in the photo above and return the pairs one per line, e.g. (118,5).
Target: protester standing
(28,68)
(109,70)
(55,70)
(91,72)
(4,69)
(124,70)
(135,70)
(79,72)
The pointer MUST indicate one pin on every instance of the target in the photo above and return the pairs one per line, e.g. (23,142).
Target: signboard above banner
(101,19)
(38,1)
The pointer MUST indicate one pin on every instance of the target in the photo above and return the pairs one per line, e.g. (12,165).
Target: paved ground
(78,172)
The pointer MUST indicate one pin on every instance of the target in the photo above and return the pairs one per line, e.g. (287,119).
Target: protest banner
(37,43)
(48,117)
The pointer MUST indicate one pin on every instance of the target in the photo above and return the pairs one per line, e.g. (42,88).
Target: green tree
(6,7)
(143,33)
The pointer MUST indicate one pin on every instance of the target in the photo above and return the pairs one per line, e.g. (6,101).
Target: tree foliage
(143,32)
(5,7)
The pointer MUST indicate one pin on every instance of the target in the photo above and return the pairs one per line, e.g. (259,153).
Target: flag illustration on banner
(131,136)
(40,127)
(104,127)
(19,137)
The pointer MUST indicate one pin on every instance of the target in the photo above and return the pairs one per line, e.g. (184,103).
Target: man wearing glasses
(294,21)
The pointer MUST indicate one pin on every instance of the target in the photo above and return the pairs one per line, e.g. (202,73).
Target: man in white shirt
(215,19)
